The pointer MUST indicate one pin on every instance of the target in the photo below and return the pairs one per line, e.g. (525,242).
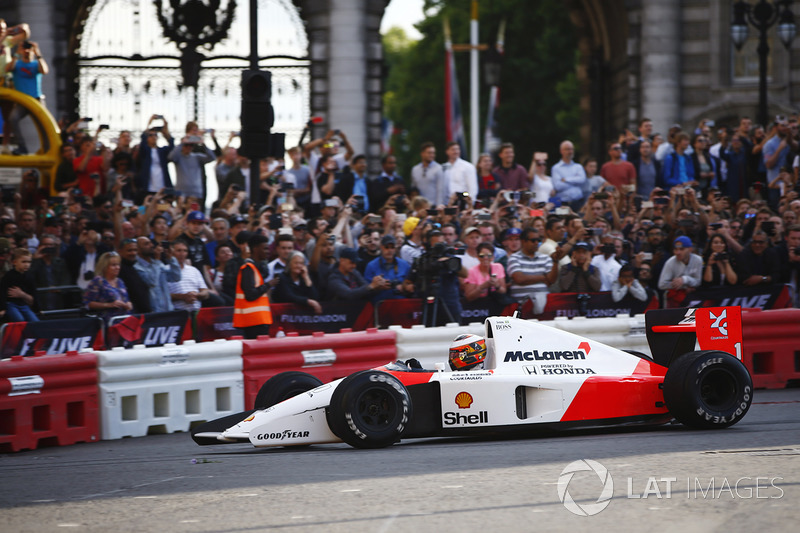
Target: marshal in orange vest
(246,313)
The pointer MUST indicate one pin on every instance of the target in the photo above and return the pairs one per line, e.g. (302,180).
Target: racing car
(533,377)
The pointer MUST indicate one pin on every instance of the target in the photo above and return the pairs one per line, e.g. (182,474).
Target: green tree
(539,88)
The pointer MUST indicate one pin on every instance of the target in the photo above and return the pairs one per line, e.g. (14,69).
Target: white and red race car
(534,377)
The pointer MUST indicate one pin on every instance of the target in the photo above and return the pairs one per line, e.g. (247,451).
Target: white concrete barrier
(430,345)
(623,331)
(168,388)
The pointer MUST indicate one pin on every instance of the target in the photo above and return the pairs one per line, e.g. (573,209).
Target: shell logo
(463,400)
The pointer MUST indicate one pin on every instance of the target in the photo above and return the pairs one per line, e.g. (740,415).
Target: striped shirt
(191,281)
(539,264)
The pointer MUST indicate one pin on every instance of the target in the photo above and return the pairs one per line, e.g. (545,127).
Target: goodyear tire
(708,389)
(369,409)
(283,386)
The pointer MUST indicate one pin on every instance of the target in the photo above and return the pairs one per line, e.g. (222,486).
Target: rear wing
(674,332)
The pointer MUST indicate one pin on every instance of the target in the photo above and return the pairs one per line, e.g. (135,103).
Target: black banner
(151,329)
(598,304)
(755,297)
(50,336)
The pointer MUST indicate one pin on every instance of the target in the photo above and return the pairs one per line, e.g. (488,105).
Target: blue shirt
(155,275)
(395,272)
(27,78)
(360,187)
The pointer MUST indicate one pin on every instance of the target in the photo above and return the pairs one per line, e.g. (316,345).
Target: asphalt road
(745,478)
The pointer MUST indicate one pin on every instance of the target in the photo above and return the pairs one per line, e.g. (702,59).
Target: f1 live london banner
(755,297)
(151,329)
(591,304)
(50,336)
(217,322)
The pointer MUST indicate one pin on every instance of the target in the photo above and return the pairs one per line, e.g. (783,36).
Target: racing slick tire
(369,409)
(708,389)
(283,386)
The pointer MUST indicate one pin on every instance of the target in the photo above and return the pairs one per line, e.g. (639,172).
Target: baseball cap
(410,225)
(388,239)
(300,224)
(684,241)
(196,216)
(582,244)
(349,253)
(237,219)
(470,230)
(511,231)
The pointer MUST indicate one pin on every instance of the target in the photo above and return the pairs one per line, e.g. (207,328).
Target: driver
(467,352)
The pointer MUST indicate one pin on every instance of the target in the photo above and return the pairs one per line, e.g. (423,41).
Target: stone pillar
(661,62)
(347,109)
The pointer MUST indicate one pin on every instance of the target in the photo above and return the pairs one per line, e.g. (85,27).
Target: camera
(450,210)
(432,266)
(769,228)
(49,250)
(660,201)
(236,188)
(285,187)
(715,225)
(359,202)
(583,303)
(400,202)
(463,201)
(601,195)
(721,256)
(594,232)
(608,248)
(8,194)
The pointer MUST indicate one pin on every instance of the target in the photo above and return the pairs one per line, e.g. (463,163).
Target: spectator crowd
(662,216)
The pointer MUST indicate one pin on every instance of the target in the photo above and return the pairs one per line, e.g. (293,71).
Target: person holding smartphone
(28,67)
(9,38)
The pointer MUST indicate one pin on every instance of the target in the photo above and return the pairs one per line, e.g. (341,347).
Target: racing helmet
(467,351)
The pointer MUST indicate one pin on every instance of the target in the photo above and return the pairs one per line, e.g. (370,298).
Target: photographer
(436,274)
(189,159)
(28,67)
(719,268)
(579,275)
(82,255)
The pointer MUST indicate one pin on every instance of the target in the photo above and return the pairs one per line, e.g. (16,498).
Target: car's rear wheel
(283,386)
(369,409)
(708,389)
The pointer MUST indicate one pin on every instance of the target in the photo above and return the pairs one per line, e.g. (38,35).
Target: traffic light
(257,114)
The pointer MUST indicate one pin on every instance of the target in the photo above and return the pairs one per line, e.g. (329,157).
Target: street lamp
(762,16)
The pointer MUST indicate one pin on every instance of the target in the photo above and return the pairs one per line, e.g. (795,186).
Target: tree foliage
(539,88)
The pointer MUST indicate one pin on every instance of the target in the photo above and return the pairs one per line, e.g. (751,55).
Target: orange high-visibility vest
(255,313)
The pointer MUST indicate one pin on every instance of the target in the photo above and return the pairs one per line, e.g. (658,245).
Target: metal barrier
(170,388)
(48,400)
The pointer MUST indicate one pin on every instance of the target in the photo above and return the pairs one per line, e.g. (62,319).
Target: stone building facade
(671,61)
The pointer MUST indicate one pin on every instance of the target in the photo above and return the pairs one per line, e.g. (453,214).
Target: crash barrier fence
(326,356)
(168,388)
(156,329)
(57,399)
(771,347)
(48,400)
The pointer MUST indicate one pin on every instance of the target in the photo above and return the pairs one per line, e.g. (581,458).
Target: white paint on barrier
(26,385)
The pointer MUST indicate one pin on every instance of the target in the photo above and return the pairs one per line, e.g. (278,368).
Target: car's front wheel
(708,389)
(369,409)
(283,386)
